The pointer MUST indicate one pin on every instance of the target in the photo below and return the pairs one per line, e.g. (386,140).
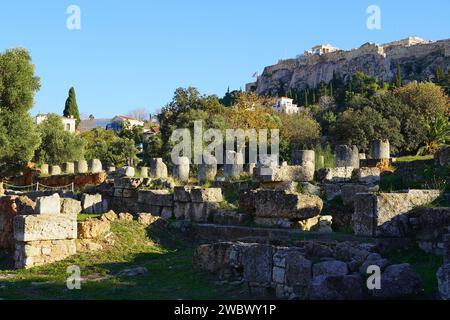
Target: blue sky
(133,54)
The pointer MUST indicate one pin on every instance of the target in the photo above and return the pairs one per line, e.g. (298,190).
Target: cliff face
(417,62)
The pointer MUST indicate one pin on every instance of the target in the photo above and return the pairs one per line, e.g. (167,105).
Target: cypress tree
(398,77)
(71,107)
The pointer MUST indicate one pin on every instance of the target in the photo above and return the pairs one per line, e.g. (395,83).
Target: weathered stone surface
(55,170)
(201,211)
(347,156)
(161,198)
(25,205)
(181,169)
(81,166)
(306,159)
(234,164)
(335,175)
(182,210)
(38,253)
(182,194)
(374,259)
(147,219)
(257,261)
(309,224)
(309,188)
(93,229)
(110,216)
(158,169)
(207,171)
(399,281)
(130,172)
(68,168)
(247,201)
(298,270)
(44,169)
(48,205)
(125,216)
(93,203)
(206,195)
(44,227)
(343,287)
(214,258)
(381,149)
(229,217)
(8,210)
(282,174)
(443,279)
(350,190)
(143,172)
(384,214)
(325,223)
(70,206)
(95,166)
(280,204)
(367,175)
(330,268)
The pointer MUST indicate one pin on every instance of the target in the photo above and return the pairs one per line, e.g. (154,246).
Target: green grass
(413,158)
(87,216)
(170,272)
(426,265)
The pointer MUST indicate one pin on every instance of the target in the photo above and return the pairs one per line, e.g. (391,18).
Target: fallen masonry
(316,270)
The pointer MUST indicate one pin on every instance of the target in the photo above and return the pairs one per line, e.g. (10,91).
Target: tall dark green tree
(398,77)
(71,107)
(18,136)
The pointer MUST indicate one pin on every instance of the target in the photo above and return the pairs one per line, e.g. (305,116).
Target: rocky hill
(417,58)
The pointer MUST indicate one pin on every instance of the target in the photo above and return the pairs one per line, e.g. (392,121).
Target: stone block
(206,195)
(93,203)
(369,175)
(44,227)
(38,253)
(55,170)
(93,229)
(158,169)
(81,166)
(280,204)
(258,264)
(68,168)
(161,198)
(95,166)
(70,206)
(48,205)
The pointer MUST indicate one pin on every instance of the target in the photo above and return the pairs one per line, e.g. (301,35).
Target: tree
(58,146)
(18,136)
(437,135)
(361,127)
(71,107)
(398,77)
(297,132)
(108,147)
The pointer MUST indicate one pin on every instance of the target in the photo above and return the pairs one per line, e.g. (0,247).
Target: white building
(285,105)
(321,49)
(69,123)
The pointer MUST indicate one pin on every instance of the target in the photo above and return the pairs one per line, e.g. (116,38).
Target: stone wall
(315,270)
(38,232)
(385,214)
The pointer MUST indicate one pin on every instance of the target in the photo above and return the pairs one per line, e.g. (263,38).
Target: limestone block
(81,166)
(161,198)
(70,206)
(44,169)
(95,166)
(68,168)
(206,195)
(48,205)
(181,169)
(335,175)
(55,170)
(143,172)
(280,204)
(158,169)
(93,203)
(380,149)
(93,229)
(367,175)
(347,156)
(182,194)
(44,227)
